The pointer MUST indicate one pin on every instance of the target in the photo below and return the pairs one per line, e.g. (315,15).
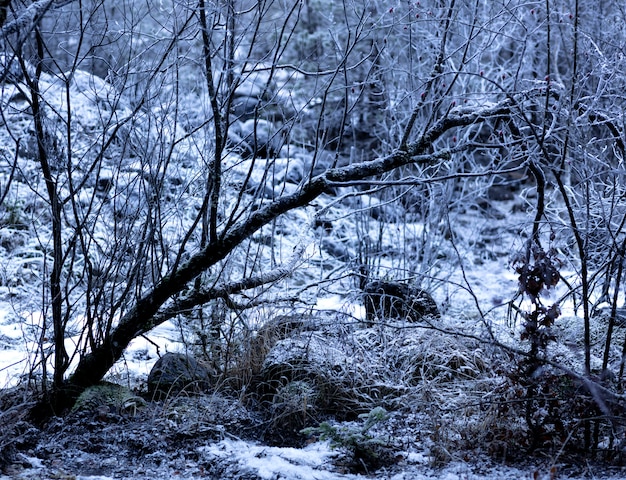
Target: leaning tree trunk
(147,312)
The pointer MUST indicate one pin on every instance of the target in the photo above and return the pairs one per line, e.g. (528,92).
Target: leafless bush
(167,186)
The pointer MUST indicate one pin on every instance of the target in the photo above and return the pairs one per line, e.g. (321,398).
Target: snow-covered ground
(246,460)
(235,458)
(471,274)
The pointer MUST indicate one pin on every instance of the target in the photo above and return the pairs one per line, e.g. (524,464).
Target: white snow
(275,462)
(487,283)
(311,463)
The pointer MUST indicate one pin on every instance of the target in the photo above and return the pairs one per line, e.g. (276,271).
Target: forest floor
(150,446)
(214,436)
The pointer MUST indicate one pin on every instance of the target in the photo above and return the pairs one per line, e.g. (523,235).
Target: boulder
(176,372)
(245,107)
(256,138)
(396,300)
(311,364)
(255,84)
(107,400)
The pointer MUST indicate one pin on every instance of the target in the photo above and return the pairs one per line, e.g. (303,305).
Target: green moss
(109,398)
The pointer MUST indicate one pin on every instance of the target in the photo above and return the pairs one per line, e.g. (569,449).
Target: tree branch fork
(162,303)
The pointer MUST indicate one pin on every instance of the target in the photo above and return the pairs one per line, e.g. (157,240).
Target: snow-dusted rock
(385,300)
(258,138)
(175,372)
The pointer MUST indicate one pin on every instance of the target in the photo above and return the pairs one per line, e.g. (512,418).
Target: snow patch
(310,463)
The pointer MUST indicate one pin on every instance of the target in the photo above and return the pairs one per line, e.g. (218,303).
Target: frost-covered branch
(30,17)
(194,298)
(145,314)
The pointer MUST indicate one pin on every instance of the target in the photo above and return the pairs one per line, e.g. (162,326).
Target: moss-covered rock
(108,399)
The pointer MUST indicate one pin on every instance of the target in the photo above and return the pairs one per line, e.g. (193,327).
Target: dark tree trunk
(145,316)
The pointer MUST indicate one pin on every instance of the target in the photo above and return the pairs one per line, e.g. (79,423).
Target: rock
(304,164)
(500,193)
(397,300)
(486,207)
(245,107)
(336,248)
(176,372)
(104,184)
(389,212)
(255,84)
(256,138)
(256,96)
(308,364)
(108,399)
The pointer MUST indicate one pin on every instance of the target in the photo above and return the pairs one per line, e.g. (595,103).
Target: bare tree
(215,120)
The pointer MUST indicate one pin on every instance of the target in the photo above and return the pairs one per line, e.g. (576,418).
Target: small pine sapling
(356,439)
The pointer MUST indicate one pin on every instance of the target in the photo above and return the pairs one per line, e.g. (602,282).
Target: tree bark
(143,317)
